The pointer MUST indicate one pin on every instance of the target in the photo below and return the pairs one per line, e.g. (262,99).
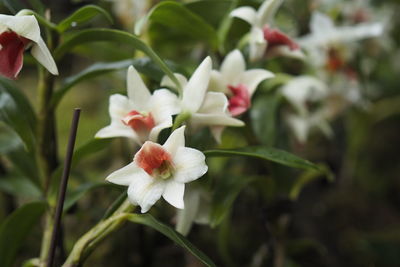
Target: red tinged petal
(154,159)
(11,53)
(239,102)
(138,122)
(275,37)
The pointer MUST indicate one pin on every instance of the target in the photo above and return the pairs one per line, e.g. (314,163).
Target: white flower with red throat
(141,116)
(325,36)
(203,108)
(262,35)
(18,33)
(237,83)
(161,171)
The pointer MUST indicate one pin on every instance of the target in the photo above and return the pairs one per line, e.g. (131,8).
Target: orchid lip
(239,102)
(139,121)
(155,160)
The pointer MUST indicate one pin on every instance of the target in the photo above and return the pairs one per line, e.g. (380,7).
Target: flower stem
(88,242)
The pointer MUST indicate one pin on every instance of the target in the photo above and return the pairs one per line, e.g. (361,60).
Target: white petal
(26,26)
(145,191)
(125,175)
(186,216)
(173,194)
(214,103)
(361,31)
(42,54)
(154,133)
(118,130)
(217,83)
(245,13)
(214,119)
(216,131)
(175,140)
(300,127)
(163,104)
(257,44)
(321,24)
(252,78)
(233,67)
(302,89)
(189,165)
(166,81)
(266,12)
(283,50)
(194,91)
(137,90)
(119,107)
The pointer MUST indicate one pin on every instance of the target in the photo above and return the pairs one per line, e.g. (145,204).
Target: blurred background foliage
(352,221)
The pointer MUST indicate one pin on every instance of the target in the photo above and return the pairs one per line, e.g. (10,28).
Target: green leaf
(15,229)
(13,5)
(17,113)
(176,16)
(226,191)
(19,186)
(264,114)
(266,153)
(82,15)
(12,147)
(148,220)
(306,178)
(143,65)
(212,11)
(95,35)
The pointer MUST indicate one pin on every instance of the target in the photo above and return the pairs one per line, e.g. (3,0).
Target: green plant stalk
(47,150)
(88,242)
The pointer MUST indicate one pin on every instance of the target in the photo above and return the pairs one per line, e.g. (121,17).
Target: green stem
(88,242)
(47,151)
(180,119)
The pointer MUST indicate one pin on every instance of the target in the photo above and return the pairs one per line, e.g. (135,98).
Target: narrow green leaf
(19,186)
(143,65)
(13,5)
(264,116)
(147,219)
(12,147)
(83,15)
(17,113)
(212,11)
(95,35)
(266,153)
(306,178)
(178,17)
(15,229)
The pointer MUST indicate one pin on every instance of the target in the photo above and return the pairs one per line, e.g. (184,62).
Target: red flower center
(239,102)
(275,38)
(12,47)
(139,122)
(155,160)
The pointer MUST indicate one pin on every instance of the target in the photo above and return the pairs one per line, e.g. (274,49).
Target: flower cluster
(141,115)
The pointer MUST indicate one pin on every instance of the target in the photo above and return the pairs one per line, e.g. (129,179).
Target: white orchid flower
(203,108)
(141,116)
(18,33)
(161,171)
(324,35)
(261,33)
(303,93)
(237,83)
